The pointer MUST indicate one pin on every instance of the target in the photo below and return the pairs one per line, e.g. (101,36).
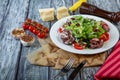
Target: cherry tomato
(30,28)
(39,26)
(45,29)
(60,30)
(35,31)
(77,46)
(41,35)
(104,36)
(35,28)
(34,23)
(25,26)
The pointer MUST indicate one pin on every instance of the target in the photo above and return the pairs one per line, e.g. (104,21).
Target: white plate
(114,37)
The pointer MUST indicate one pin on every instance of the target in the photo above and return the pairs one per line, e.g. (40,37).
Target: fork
(65,69)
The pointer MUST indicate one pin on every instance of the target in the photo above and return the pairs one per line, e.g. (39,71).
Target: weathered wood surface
(13,63)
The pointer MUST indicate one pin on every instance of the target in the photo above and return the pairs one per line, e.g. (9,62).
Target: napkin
(50,55)
(110,70)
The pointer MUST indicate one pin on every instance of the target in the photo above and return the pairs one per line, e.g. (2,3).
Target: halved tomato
(60,29)
(104,36)
(77,46)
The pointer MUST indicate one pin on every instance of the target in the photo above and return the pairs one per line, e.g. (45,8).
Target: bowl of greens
(84,34)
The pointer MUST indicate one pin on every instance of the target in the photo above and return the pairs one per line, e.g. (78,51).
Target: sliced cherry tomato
(60,30)
(78,46)
(41,35)
(104,36)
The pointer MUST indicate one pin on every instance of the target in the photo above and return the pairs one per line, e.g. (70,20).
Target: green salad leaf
(84,29)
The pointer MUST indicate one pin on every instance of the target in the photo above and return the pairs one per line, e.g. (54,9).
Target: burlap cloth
(50,55)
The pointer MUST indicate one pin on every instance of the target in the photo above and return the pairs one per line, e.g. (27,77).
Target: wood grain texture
(3,7)
(11,16)
(26,70)
(13,63)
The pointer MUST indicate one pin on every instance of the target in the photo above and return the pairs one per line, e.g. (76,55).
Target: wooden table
(13,62)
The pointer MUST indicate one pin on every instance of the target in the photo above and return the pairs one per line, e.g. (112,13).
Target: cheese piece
(76,5)
(62,12)
(18,32)
(47,14)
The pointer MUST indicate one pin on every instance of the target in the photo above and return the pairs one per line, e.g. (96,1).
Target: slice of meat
(105,26)
(96,43)
(67,37)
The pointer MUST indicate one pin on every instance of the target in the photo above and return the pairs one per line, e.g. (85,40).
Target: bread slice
(62,12)
(47,14)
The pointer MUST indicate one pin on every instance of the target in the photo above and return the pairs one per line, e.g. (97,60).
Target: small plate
(54,35)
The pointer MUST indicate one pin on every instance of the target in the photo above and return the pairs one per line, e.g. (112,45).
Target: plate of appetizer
(84,34)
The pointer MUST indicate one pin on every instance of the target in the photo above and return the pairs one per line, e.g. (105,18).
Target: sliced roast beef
(96,43)
(67,37)
(105,26)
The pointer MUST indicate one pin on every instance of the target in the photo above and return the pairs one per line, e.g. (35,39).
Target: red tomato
(45,29)
(41,35)
(34,23)
(104,36)
(77,46)
(35,31)
(25,26)
(30,28)
(60,30)
(39,26)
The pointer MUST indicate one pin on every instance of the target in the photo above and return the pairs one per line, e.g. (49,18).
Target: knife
(78,68)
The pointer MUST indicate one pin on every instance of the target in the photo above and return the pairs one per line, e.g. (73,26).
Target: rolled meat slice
(96,43)
(105,26)
(67,37)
